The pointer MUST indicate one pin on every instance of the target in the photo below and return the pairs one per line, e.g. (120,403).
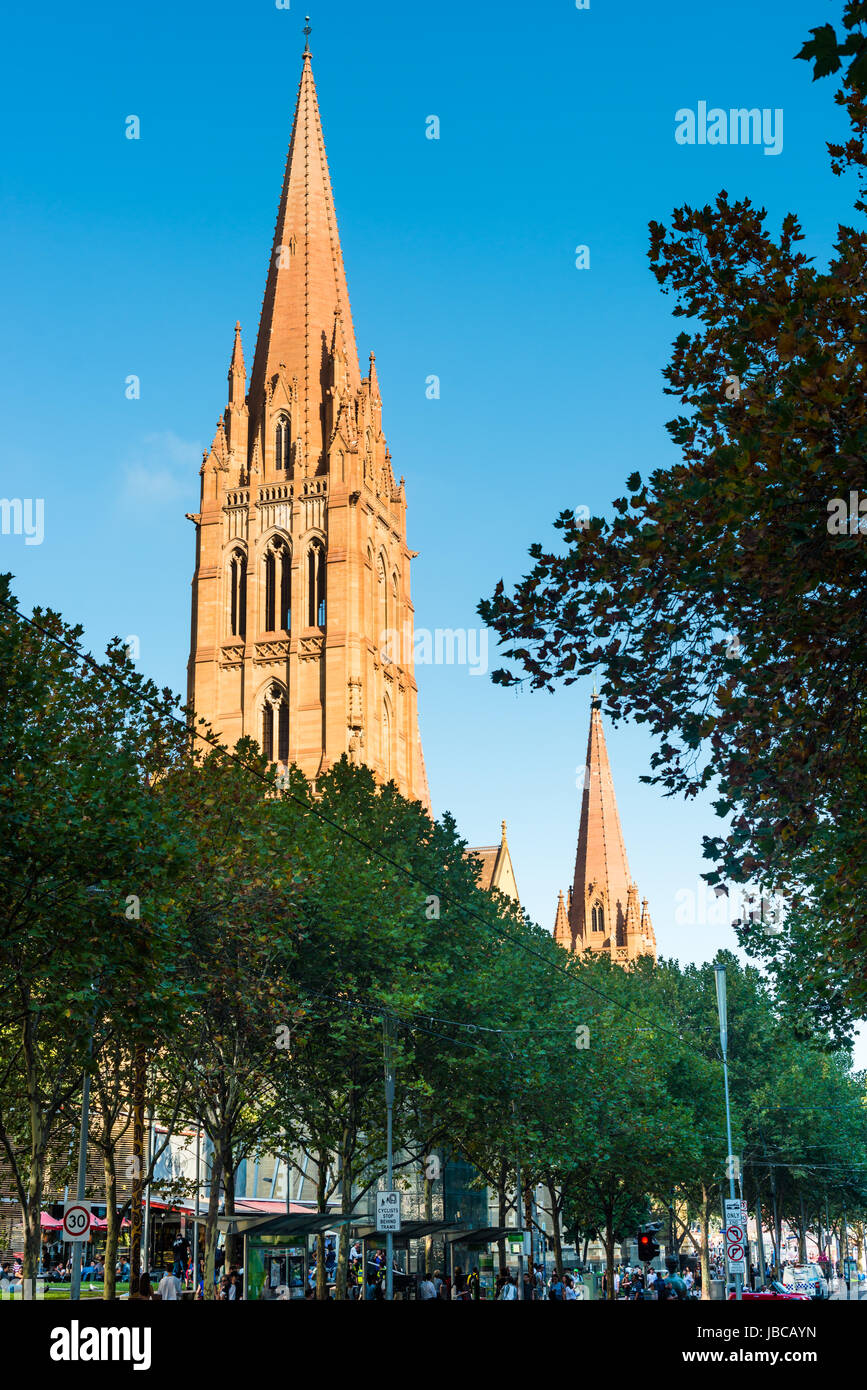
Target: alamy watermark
(737,126)
(444,646)
(847,518)
(23,517)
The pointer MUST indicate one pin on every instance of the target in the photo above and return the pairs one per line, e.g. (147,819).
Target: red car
(773,1290)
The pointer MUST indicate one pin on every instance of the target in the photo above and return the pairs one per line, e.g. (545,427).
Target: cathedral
(302,561)
(602,912)
(303,566)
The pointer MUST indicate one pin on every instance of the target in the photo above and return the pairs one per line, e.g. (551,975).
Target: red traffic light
(648,1249)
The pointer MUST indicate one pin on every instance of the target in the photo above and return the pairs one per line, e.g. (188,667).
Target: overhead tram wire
(327,820)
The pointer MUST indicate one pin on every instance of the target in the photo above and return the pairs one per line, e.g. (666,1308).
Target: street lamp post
(80,1247)
(720,972)
(196,1222)
(389,1156)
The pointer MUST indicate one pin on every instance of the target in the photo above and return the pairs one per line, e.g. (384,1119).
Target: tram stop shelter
(371,1239)
(477,1243)
(276,1250)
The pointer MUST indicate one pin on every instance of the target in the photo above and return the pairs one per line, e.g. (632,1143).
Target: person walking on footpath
(169,1288)
(509,1290)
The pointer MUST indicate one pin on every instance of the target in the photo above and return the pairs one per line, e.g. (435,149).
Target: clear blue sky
(557,129)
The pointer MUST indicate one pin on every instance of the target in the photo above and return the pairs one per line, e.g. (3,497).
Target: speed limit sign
(76,1220)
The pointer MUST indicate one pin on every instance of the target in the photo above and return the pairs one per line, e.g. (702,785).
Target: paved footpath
(857,1293)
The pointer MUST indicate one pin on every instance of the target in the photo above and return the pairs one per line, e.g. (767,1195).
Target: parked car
(773,1290)
(807,1279)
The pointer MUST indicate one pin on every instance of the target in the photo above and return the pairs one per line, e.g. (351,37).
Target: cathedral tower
(302,564)
(603,912)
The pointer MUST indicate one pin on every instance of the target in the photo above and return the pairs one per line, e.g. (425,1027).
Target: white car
(807,1279)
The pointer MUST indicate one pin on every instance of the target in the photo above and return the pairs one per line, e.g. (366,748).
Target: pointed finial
(503,828)
(307,32)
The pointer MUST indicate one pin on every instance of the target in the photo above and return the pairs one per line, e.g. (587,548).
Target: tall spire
(306,283)
(603,911)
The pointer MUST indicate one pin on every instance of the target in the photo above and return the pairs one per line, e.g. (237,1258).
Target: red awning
(275,1206)
(49,1223)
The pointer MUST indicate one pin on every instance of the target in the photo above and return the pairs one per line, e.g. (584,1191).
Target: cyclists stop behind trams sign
(388,1211)
(76,1220)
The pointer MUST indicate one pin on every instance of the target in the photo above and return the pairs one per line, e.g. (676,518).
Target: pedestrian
(427,1289)
(555,1292)
(509,1291)
(473,1284)
(169,1287)
(180,1251)
(145,1292)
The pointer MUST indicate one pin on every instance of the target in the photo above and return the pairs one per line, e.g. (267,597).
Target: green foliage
(722,607)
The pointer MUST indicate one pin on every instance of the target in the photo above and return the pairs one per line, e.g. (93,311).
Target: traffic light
(648,1248)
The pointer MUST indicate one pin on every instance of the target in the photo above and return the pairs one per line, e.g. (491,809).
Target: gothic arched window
(598,917)
(275,725)
(282,439)
(386,738)
(238,594)
(278,586)
(382,591)
(316,585)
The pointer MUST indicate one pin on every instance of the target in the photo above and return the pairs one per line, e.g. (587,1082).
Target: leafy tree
(723,600)
(828,54)
(79,830)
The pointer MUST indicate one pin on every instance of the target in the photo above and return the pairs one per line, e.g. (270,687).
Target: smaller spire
(562,930)
(238,351)
(237,371)
(307,33)
(503,829)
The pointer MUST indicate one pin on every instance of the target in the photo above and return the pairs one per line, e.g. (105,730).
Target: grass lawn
(59,1293)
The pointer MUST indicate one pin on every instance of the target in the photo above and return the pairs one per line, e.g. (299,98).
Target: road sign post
(735,1236)
(388,1211)
(388,1223)
(76,1220)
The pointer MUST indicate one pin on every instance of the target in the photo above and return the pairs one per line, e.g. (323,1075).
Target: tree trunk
(234,1242)
(33,1224)
(501,1207)
(109,1287)
(704,1251)
(555,1226)
(138,1175)
(211,1222)
(321,1205)
(342,1273)
(428,1216)
(609,1259)
(802,1234)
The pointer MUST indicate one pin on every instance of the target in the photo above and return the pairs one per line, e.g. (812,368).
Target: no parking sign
(736,1236)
